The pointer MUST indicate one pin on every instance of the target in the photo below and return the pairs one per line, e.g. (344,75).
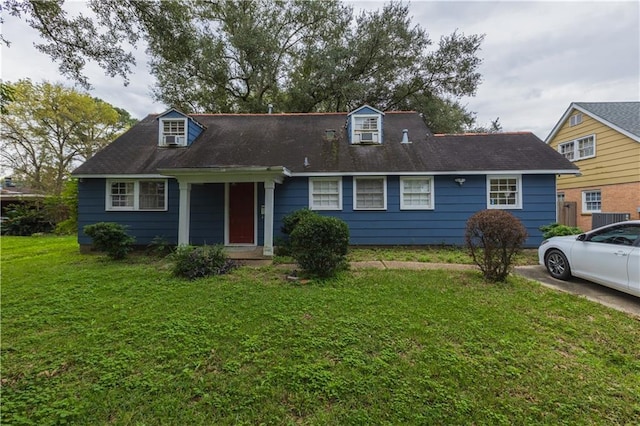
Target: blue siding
(445,224)
(145,226)
(207,214)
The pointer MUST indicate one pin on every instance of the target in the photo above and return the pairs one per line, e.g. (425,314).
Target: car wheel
(557,265)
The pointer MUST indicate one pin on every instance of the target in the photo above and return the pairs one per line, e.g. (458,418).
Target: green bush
(289,223)
(26,219)
(111,238)
(558,230)
(494,237)
(200,261)
(320,245)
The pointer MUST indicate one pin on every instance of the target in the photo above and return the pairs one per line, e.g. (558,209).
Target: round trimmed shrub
(289,223)
(319,245)
(494,237)
(200,261)
(111,238)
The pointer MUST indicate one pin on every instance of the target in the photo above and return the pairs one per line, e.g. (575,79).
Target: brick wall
(622,198)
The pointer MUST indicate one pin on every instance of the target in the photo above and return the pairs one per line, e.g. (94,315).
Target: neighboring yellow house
(603,139)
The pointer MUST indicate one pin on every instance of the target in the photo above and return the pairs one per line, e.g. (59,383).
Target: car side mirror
(582,237)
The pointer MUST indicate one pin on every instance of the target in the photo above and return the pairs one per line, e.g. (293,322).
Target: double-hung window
(370,193)
(144,195)
(579,149)
(366,129)
(416,193)
(504,192)
(591,201)
(325,193)
(173,131)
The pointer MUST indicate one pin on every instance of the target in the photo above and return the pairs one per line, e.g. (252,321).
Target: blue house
(231,178)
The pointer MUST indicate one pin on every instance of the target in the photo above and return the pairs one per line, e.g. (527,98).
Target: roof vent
(330,134)
(306,162)
(270,108)
(405,136)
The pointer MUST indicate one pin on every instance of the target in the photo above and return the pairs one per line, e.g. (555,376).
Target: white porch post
(184,213)
(269,187)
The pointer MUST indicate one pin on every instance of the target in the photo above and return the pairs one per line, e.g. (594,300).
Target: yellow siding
(617,157)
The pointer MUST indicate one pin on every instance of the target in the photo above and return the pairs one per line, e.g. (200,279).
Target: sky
(537,58)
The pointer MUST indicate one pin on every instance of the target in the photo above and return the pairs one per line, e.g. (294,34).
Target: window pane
(173,127)
(325,194)
(416,193)
(585,147)
(503,192)
(122,194)
(592,201)
(370,193)
(151,195)
(566,149)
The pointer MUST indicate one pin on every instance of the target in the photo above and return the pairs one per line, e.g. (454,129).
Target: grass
(428,254)
(91,341)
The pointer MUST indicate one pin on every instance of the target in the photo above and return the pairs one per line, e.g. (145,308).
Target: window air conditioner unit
(173,140)
(368,137)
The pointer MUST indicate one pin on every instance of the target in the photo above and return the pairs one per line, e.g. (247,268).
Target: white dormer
(365,125)
(173,132)
(177,129)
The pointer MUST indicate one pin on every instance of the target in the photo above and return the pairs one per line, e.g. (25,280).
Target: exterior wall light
(460,181)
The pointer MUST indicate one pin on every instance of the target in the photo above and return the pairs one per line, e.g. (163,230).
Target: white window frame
(575,119)
(136,195)
(355,192)
(572,148)
(430,194)
(517,205)
(182,137)
(356,132)
(585,208)
(313,181)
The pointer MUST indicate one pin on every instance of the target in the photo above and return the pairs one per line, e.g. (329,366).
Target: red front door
(241,213)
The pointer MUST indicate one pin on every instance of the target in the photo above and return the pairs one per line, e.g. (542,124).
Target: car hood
(564,238)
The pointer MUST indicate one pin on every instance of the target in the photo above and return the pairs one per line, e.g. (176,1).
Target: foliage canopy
(241,56)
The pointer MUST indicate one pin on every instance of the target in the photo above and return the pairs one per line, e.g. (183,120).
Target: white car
(609,255)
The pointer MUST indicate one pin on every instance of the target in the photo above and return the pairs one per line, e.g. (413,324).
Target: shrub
(289,223)
(111,238)
(557,230)
(159,247)
(494,237)
(200,261)
(320,244)
(26,219)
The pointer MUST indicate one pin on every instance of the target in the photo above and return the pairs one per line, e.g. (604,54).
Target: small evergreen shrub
(558,230)
(289,223)
(200,261)
(159,247)
(320,245)
(494,237)
(26,219)
(111,238)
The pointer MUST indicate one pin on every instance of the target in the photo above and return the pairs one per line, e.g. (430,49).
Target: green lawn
(90,341)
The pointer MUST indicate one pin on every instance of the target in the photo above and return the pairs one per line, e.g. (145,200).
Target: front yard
(91,341)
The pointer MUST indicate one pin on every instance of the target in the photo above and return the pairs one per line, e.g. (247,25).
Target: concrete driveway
(595,292)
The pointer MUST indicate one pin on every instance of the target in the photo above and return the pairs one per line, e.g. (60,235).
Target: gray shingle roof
(625,115)
(287,139)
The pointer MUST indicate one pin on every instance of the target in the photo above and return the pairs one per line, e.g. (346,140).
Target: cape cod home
(231,178)
(603,140)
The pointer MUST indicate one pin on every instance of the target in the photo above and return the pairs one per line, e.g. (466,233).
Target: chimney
(405,136)
(270,108)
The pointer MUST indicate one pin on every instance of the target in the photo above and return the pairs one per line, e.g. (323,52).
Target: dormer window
(173,132)
(366,129)
(364,126)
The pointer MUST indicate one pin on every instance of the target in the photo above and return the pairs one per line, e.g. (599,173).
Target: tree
(240,56)
(48,129)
